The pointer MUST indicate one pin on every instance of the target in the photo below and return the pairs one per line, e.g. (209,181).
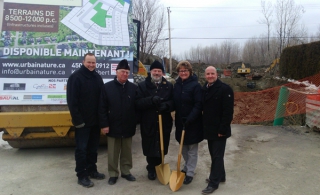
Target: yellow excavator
(273,64)
(243,70)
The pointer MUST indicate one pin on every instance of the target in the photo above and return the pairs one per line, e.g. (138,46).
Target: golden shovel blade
(163,173)
(176,180)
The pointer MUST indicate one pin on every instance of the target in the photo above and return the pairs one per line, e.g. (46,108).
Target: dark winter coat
(149,115)
(187,97)
(218,102)
(83,92)
(117,108)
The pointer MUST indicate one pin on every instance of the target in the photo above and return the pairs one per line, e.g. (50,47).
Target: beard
(156,78)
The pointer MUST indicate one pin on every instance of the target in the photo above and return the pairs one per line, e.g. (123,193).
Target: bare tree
(299,36)
(318,33)
(255,51)
(206,55)
(224,53)
(250,51)
(267,18)
(161,49)
(229,51)
(214,54)
(265,49)
(152,16)
(178,57)
(316,36)
(288,15)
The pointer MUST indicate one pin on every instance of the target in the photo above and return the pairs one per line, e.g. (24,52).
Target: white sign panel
(42,43)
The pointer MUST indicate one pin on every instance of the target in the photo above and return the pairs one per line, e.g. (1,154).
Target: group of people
(114,109)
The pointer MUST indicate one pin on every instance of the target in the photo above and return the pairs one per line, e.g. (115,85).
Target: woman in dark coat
(187,99)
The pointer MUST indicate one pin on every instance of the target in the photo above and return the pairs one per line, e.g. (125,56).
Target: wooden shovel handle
(161,138)
(180,151)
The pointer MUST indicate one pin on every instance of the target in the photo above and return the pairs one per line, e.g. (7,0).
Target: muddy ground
(258,159)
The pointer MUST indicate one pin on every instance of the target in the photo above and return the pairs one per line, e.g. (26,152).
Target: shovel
(163,170)
(177,177)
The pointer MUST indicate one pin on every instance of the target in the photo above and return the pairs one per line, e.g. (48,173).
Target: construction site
(274,147)
(257,91)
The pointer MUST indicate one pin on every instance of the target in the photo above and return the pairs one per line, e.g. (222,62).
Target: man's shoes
(97,175)
(222,180)
(152,175)
(112,180)
(187,179)
(85,182)
(208,190)
(129,177)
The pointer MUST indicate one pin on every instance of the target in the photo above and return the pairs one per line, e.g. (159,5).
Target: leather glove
(163,107)
(156,100)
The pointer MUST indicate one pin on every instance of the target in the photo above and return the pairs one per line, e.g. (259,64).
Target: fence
(262,107)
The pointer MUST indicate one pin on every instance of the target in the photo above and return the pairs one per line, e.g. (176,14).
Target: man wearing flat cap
(154,97)
(117,121)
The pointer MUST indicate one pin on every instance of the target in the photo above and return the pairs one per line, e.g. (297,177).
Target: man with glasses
(117,120)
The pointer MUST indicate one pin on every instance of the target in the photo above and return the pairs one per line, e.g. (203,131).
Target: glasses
(183,71)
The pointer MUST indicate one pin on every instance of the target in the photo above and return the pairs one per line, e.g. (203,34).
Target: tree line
(281,20)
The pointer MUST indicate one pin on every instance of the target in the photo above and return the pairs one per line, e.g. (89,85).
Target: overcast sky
(224,19)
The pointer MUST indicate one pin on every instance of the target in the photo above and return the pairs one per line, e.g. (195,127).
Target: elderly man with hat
(117,120)
(154,97)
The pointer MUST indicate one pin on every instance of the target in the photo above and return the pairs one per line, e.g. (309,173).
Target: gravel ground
(258,159)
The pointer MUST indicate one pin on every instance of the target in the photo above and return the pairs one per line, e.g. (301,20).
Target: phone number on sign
(98,65)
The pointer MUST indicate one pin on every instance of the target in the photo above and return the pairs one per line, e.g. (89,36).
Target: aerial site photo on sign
(43,42)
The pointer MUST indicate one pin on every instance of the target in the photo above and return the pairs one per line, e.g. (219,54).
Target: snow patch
(4,144)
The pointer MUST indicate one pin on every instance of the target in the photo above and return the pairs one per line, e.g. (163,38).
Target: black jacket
(187,100)
(218,102)
(83,92)
(117,108)
(149,115)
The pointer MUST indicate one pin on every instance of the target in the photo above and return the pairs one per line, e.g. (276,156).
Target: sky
(221,19)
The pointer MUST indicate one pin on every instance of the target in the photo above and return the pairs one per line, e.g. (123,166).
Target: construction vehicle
(49,125)
(274,63)
(243,70)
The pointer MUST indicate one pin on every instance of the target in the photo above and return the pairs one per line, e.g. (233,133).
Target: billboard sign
(42,43)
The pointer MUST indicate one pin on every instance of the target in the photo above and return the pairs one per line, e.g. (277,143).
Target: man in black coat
(83,92)
(117,120)
(218,102)
(154,97)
